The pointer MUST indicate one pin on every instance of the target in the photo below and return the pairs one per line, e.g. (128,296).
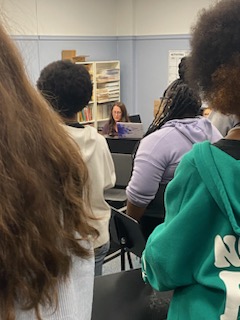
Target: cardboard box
(68,54)
(71,55)
(79,58)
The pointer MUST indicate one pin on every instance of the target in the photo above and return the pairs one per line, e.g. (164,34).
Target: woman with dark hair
(118,113)
(46,255)
(196,250)
(172,133)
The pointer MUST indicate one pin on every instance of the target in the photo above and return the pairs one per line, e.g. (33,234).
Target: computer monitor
(135,118)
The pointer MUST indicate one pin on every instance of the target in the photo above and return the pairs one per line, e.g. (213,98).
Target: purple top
(159,154)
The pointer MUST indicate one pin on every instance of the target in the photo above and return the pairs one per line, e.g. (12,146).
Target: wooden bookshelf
(105,77)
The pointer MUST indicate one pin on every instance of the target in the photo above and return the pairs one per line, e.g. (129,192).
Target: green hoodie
(196,251)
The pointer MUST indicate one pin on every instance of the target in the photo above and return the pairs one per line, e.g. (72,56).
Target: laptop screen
(130,130)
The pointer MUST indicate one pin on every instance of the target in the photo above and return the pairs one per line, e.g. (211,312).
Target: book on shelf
(103,111)
(112,84)
(106,110)
(85,114)
(100,111)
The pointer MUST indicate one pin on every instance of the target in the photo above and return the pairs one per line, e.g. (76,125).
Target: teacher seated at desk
(118,113)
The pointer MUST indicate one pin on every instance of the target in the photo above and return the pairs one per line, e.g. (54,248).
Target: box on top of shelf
(79,58)
(71,55)
(68,54)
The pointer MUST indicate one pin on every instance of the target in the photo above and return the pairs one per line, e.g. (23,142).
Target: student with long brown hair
(46,260)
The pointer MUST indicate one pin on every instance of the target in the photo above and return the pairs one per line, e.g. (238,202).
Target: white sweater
(74,296)
(97,156)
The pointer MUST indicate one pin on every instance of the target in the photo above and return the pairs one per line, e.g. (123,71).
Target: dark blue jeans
(100,254)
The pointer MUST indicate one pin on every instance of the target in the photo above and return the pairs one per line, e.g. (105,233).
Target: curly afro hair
(214,65)
(66,86)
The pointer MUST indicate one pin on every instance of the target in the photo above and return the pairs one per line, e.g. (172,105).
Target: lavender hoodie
(159,154)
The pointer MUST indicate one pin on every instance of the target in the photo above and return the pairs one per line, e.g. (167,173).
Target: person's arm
(149,166)
(134,211)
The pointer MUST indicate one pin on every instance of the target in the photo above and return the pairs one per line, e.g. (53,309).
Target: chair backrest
(127,232)
(117,145)
(135,118)
(123,164)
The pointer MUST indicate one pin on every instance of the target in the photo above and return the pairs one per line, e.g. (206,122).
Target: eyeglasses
(117,112)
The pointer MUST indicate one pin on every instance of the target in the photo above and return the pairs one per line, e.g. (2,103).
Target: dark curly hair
(214,65)
(182,68)
(66,86)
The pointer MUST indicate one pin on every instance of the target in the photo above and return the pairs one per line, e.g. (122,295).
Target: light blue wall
(151,70)
(40,51)
(144,62)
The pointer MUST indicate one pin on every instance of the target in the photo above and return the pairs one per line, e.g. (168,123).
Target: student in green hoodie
(196,251)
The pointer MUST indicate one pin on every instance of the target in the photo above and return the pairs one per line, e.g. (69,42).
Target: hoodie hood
(219,171)
(195,129)
(86,138)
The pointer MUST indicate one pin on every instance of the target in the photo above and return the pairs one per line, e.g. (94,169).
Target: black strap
(75,125)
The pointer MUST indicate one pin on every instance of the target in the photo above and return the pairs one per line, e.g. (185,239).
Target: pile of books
(108,92)
(107,75)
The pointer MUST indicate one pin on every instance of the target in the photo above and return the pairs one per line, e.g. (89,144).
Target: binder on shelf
(100,111)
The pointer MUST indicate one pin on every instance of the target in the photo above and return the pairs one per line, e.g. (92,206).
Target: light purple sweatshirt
(159,154)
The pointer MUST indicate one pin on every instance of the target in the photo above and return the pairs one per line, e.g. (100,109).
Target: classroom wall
(101,18)
(137,32)
(156,17)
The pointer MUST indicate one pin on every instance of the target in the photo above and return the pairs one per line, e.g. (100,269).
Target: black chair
(124,296)
(123,164)
(126,234)
(135,118)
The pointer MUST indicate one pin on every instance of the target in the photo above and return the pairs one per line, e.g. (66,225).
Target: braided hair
(179,101)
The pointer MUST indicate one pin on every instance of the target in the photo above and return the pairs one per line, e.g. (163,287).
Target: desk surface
(124,296)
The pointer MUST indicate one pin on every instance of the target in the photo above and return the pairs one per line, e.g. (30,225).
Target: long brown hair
(43,180)
(124,117)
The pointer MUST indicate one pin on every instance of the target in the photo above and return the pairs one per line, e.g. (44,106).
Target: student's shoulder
(101,141)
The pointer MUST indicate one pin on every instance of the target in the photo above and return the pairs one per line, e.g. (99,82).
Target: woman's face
(117,113)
